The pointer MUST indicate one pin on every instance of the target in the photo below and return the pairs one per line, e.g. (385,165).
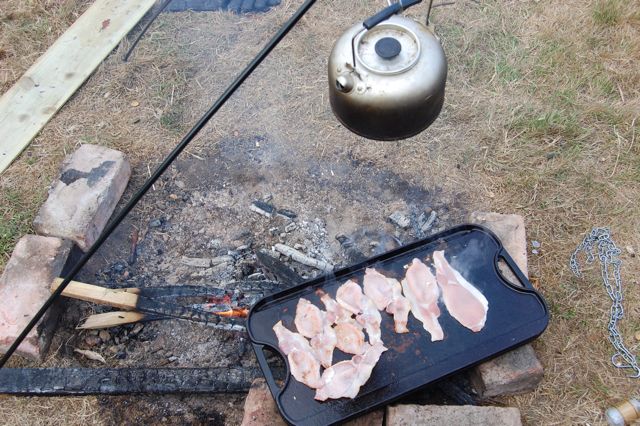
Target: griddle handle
(266,369)
(504,255)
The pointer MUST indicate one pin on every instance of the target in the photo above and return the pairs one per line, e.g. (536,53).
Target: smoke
(476,252)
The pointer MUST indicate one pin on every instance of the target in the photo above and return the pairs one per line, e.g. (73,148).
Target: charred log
(121,381)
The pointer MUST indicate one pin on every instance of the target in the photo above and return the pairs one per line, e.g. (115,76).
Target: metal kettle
(387,76)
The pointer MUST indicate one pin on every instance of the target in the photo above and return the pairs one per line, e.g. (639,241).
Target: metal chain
(608,253)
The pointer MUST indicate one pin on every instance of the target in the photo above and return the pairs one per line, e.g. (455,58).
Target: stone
(519,370)
(104,335)
(260,407)
(24,288)
(464,415)
(82,199)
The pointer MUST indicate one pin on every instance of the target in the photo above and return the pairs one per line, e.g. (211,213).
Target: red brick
(24,287)
(83,197)
(260,408)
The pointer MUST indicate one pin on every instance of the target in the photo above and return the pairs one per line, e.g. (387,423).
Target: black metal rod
(112,225)
(152,18)
(429,12)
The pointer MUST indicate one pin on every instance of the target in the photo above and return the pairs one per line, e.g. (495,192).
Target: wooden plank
(96,294)
(110,319)
(27,106)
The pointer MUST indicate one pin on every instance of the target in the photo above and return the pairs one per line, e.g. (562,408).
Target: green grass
(549,122)
(173,119)
(506,72)
(607,12)
(15,221)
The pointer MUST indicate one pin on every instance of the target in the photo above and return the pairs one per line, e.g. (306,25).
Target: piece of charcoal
(258,206)
(285,212)
(400,219)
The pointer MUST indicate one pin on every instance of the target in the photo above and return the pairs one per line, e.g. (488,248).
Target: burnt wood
(282,272)
(122,381)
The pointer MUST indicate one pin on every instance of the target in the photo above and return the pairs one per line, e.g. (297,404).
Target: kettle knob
(388,48)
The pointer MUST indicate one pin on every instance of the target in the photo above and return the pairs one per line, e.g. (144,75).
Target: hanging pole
(152,18)
(113,224)
(429,11)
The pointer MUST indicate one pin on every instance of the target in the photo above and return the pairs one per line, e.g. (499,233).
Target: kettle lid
(388,48)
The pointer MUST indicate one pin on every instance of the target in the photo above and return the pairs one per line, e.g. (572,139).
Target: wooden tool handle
(110,319)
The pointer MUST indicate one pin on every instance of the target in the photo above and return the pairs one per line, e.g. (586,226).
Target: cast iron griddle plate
(516,315)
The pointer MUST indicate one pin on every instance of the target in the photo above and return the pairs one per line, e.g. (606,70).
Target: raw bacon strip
(370,319)
(399,308)
(350,338)
(339,381)
(386,293)
(335,313)
(303,363)
(305,368)
(463,301)
(377,288)
(421,288)
(350,297)
(288,340)
(345,378)
(324,343)
(367,361)
(309,318)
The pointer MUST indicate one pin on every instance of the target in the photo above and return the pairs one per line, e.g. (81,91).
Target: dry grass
(541,119)
(48,411)
(27,29)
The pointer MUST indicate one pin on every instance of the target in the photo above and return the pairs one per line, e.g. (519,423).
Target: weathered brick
(465,415)
(374,418)
(514,372)
(510,229)
(24,287)
(517,371)
(84,196)
(259,408)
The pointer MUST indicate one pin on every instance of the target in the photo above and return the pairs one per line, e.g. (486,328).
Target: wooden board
(27,106)
(110,319)
(96,294)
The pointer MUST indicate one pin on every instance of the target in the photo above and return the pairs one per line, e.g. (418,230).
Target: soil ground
(540,119)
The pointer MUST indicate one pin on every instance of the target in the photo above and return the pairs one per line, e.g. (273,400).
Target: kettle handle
(389,11)
(383,15)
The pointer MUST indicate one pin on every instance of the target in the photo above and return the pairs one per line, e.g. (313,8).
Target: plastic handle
(502,254)
(388,12)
